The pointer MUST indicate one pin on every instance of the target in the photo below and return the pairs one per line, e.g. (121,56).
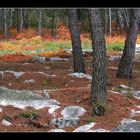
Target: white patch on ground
(114,68)
(58,59)
(1,109)
(72,111)
(16,74)
(29,81)
(36,104)
(25,64)
(47,68)
(125,87)
(98,130)
(137,47)
(114,58)
(85,128)
(81,75)
(40,72)
(57,130)
(126,121)
(113,91)
(6,123)
(2,74)
(53,108)
(137,95)
(134,113)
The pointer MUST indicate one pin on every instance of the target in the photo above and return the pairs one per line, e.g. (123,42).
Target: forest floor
(67,90)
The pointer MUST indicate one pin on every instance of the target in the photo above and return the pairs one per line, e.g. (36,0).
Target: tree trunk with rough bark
(78,62)
(126,62)
(98,86)
(40,23)
(21,20)
(5,24)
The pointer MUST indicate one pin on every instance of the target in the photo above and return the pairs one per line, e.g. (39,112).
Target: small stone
(57,130)
(114,58)
(6,123)
(98,130)
(81,75)
(9,84)
(29,81)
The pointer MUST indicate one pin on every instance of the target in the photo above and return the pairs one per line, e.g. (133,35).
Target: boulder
(25,98)
(123,89)
(65,122)
(128,125)
(72,111)
(137,94)
(6,123)
(85,128)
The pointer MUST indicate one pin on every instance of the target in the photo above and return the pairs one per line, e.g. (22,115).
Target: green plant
(129,95)
(30,115)
(115,47)
(91,119)
(7,118)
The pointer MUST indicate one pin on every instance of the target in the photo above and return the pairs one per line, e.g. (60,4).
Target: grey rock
(98,130)
(72,111)
(46,94)
(6,123)
(25,98)
(16,74)
(37,104)
(123,89)
(39,59)
(58,59)
(85,128)
(137,94)
(81,75)
(29,81)
(65,122)
(128,125)
(10,94)
(57,130)
(114,58)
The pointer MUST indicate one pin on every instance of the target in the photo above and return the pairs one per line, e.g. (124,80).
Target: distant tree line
(115,21)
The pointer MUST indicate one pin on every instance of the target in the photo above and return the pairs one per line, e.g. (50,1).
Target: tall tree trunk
(78,62)
(5,24)
(26,18)
(53,25)
(21,20)
(120,20)
(40,23)
(11,17)
(18,17)
(110,22)
(126,62)
(126,18)
(98,86)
